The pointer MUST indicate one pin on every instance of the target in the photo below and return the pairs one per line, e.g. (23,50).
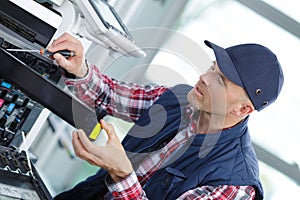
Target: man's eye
(221,81)
(212,68)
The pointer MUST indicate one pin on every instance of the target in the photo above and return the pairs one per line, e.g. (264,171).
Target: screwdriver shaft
(65,53)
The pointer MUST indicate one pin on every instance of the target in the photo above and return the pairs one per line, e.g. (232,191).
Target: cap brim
(225,63)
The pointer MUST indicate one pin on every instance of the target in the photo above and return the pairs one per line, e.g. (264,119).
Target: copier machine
(30,83)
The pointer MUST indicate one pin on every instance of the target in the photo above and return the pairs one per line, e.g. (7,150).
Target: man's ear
(243,110)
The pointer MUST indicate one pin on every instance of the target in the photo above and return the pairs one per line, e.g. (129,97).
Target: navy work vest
(225,158)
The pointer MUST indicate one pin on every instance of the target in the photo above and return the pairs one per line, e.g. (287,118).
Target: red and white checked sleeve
(120,99)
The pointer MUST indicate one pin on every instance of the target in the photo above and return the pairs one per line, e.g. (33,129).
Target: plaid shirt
(128,101)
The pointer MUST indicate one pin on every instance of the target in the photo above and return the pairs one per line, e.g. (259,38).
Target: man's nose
(204,79)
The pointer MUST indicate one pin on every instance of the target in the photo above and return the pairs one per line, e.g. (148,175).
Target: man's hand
(75,64)
(111,157)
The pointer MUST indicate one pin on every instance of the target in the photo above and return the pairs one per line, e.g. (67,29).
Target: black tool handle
(65,53)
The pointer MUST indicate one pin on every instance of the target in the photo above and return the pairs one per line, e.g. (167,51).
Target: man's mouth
(198,90)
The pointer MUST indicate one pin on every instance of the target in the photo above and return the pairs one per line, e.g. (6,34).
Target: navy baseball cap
(253,67)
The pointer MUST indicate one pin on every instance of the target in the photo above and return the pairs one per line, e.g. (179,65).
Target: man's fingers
(66,42)
(80,151)
(83,152)
(109,130)
(61,60)
(86,143)
(81,148)
(77,48)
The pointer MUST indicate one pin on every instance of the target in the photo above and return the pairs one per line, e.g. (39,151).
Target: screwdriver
(66,53)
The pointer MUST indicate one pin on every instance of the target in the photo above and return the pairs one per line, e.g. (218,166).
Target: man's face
(214,93)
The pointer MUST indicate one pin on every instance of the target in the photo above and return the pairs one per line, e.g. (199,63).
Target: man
(187,143)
